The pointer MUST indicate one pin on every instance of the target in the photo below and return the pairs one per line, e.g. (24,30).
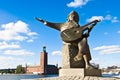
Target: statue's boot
(87,63)
(90,67)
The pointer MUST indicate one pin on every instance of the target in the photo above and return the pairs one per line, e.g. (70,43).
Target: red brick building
(43,68)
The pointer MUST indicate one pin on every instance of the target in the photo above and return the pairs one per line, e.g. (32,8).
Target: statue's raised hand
(97,20)
(39,19)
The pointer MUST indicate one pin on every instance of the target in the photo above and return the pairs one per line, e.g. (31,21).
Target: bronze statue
(73,34)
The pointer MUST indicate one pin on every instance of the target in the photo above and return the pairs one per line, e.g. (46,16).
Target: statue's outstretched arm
(56,26)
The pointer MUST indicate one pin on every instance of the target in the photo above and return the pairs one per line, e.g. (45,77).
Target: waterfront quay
(75,78)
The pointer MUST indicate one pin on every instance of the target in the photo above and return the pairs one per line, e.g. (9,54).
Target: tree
(19,69)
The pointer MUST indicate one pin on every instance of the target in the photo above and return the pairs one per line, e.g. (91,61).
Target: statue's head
(73,16)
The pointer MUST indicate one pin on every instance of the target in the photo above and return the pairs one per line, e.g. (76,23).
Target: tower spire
(44,48)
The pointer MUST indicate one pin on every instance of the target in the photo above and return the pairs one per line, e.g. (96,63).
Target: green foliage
(10,71)
(19,69)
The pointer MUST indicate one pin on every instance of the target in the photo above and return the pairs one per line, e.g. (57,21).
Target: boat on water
(111,74)
(117,76)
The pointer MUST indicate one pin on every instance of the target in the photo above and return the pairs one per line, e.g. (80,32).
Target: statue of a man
(83,51)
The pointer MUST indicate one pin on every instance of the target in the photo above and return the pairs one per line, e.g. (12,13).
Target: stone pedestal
(69,51)
(79,72)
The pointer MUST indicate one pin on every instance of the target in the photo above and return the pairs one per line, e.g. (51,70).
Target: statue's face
(73,16)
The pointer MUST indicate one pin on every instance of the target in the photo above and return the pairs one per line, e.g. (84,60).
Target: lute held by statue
(75,33)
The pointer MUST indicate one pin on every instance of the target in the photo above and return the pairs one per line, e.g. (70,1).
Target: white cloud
(15,31)
(115,19)
(32,33)
(11,35)
(5,45)
(106,33)
(118,31)
(18,52)
(111,18)
(56,53)
(108,17)
(10,62)
(97,61)
(30,40)
(95,18)
(19,26)
(8,35)
(77,3)
(2,58)
(108,49)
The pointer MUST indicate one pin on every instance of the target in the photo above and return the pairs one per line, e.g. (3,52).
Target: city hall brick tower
(43,61)
(43,68)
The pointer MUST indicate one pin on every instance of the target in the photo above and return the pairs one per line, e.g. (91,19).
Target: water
(23,76)
(32,76)
(110,75)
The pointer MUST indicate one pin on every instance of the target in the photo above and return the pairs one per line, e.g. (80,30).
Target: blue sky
(22,37)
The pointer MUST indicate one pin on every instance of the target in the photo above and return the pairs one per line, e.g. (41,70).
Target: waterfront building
(43,68)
